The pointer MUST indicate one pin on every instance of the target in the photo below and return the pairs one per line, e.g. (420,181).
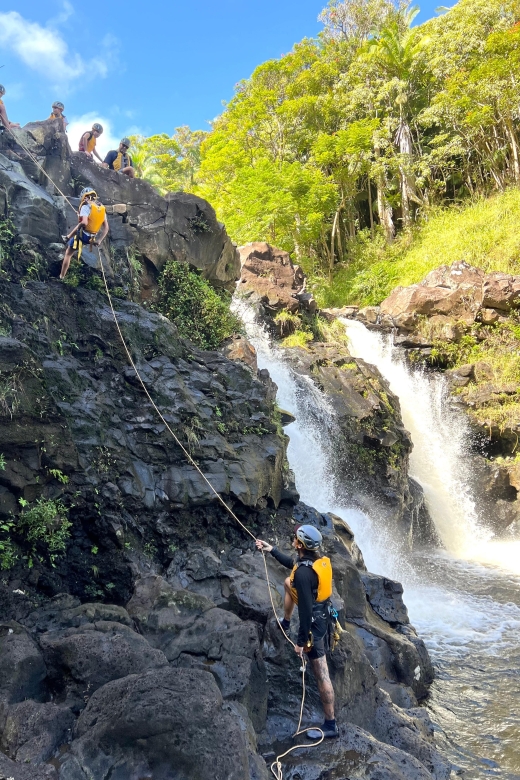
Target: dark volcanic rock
(157,723)
(179,225)
(81,660)
(33,731)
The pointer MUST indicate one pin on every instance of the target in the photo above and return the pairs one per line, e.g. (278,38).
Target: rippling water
(464,600)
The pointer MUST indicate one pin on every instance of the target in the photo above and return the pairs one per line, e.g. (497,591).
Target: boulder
(81,660)
(269,273)
(22,670)
(33,731)
(458,292)
(12,770)
(160,724)
(356,755)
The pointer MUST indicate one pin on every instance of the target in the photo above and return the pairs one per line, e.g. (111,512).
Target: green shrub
(44,523)
(2,461)
(200,313)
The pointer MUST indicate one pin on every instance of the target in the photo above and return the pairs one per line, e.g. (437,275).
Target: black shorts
(320,632)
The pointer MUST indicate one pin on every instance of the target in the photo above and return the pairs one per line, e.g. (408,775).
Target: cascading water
(467,613)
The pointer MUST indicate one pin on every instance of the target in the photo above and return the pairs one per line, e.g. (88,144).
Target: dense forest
(350,139)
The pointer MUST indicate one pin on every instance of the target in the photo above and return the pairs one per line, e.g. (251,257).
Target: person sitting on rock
(121,160)
(3,113)
(92,217)
(57,113)
(310,586)
(87,142)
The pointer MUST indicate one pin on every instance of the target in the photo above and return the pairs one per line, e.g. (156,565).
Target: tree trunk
(384,209)
(370,212)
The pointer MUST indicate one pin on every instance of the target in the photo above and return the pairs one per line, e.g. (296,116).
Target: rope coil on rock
(276,767)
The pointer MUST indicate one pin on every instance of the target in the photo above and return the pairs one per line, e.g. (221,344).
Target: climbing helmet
(309,536)
(97,127)
(86,191)
(58,104)
(125,142)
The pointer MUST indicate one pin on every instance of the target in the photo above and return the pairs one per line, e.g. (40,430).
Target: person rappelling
(87,142)
(57,113)
(310,587)
(3,113)
(92,217)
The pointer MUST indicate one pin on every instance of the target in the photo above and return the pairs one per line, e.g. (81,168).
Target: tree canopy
(361,130)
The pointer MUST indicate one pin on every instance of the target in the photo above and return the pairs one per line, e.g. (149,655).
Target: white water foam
(439,460)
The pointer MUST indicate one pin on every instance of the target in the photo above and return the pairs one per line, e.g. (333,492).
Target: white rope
(276,767)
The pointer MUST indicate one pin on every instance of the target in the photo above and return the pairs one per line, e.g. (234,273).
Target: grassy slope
(485,234)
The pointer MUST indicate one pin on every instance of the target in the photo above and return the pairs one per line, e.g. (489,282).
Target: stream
(464,599)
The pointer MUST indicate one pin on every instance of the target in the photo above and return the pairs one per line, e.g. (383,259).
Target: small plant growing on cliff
(198,311)
(45,523)
(2,461)
(8,240)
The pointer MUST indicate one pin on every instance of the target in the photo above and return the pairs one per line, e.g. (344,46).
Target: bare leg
(66,262)
(288,603)
(129,171)
(325,689)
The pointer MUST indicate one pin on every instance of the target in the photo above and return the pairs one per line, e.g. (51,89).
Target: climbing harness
(276,767)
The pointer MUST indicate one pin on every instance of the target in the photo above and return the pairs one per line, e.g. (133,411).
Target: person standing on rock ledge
(121,160)
(57,113)
(3,113)
(310,586)
(92,217)
(87,142)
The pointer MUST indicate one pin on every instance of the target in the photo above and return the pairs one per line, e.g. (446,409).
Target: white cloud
(79,125)
(45,51)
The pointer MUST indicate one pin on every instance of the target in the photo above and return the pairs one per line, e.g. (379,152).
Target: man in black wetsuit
(310,586)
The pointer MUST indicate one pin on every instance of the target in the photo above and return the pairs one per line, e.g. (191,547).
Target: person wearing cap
(310,587)
(92,217)
(121,160)
(3,113)
(87,142)
(57,113)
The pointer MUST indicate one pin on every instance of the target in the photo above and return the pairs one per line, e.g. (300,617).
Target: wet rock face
(154,228)
(368,444)
(76,423)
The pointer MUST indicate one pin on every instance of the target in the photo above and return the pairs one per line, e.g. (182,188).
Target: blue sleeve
(109,159)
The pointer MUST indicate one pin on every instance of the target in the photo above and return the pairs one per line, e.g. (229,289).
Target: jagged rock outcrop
(270,279)
(153,228)
(368,444)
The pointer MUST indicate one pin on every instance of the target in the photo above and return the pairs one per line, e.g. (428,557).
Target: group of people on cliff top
(91,214)
(117,159)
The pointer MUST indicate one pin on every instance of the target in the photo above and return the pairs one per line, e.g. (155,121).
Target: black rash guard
(306,585)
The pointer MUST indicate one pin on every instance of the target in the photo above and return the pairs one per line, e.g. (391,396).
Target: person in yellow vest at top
(92,217)
(87,142)
(310,587)
(3,113)
(57,113)
(121,160)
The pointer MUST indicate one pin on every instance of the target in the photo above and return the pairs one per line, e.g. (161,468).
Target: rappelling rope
(276,767)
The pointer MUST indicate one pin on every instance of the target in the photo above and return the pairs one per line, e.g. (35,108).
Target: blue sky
(142,66)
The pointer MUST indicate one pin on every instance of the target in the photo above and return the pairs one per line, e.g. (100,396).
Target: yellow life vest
(121,161)
(95,218)
(91,143)
(323,569)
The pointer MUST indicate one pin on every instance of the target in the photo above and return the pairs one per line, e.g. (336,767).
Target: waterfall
(467,613)
(440,459)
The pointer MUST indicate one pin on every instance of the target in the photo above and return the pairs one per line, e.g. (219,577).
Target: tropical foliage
(365,129)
